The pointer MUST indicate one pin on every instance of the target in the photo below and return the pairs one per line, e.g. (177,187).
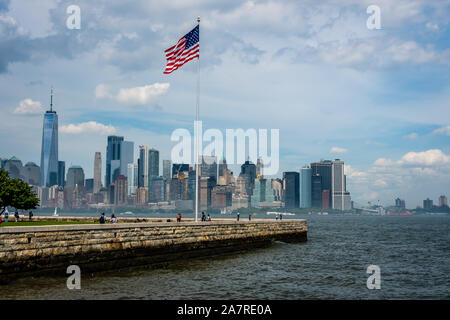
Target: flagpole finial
(198,19)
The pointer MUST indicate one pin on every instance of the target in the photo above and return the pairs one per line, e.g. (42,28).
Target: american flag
(187,48)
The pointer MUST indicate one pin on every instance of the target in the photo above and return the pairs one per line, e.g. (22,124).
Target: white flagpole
(196,137)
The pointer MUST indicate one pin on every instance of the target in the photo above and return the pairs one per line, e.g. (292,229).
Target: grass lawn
(40,223)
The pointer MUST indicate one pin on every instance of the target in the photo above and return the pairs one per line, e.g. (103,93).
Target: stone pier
(35,250)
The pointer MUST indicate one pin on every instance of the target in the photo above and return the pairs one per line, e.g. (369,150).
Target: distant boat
(55,214)
(127,212)
(281,213)
(407,213)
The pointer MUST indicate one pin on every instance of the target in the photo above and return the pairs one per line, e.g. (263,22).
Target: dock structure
(39,250)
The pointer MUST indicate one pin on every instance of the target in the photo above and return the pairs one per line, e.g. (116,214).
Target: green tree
(16,193)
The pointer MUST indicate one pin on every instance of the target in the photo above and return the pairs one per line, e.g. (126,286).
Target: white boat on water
(281,213)
(127,212)
(55,214)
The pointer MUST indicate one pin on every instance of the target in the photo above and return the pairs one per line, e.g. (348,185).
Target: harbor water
(412,252)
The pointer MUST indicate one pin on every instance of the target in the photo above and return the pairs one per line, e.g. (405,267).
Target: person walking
(281,216)
(30,215)
(102,218)
(113,219)
(16,215)
(179,217)
(249,216)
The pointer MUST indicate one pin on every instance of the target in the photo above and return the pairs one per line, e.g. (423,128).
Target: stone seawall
(35,250)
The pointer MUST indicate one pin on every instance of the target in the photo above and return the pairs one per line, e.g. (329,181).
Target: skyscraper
(259,167)
(132,178)
(262,192)
(208,167)
(166,170)
(143,167)
(75,176)
(443,201)
(428,204)
(120,190)
(97,172)
(112,153)
(126,156)
(291,189)
(153,164)
(399,203)
(61,173)
(222,167)
(305,187)
(323,169)
(340,198)
(32,174)
(49,149)
(317,193)
(248,171)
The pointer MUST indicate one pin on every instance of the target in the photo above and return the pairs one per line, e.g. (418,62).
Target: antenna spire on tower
(51,99)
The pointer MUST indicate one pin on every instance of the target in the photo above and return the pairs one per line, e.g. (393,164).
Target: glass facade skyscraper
(305,187)
(61,173)
(291,189)
(49,150)
(323,169)
(112,153)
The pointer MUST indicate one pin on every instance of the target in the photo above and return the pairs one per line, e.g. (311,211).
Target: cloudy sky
(378,99)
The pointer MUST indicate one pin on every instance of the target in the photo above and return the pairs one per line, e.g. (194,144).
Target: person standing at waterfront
(102,218)
(16,215)
(203,216)
(30,216)
(237,217)
(249,216)
(281,216)
(179,217)
(209,217)
(113,219)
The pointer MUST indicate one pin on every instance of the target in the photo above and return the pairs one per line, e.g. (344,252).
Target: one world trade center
(49,151)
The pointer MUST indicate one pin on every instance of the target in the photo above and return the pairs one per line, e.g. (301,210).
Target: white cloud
(411,136)
(88,127)
(432,26)
(338,150)
(28,106)
(425,158)
(432,157)
(383,162)
(101,91)
(142,95)
(136,95)
(444,130)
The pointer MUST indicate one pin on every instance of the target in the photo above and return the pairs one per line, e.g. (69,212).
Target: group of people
(238,216)
(113,219)
(16,216)
(205,218)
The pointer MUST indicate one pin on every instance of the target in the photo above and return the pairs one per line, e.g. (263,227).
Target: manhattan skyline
(382,106)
